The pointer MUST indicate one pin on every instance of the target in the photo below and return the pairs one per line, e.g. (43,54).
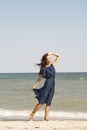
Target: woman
(45,94)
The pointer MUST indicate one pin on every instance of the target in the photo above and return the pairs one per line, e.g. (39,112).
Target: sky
(31,28)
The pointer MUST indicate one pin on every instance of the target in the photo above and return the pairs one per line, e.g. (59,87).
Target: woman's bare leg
(47,109)
(38,106)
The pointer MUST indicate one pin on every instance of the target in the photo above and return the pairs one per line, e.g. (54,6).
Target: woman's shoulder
(52,64)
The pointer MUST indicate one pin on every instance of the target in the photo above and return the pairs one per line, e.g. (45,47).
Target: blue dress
(46,93)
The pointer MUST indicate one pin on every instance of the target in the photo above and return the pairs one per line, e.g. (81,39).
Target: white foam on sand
(54,115)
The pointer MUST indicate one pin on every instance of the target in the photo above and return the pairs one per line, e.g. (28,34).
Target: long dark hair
(42,64)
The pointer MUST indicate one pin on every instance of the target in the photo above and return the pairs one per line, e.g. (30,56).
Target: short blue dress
(46,93)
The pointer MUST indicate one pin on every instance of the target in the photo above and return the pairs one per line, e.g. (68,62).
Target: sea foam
(54,115)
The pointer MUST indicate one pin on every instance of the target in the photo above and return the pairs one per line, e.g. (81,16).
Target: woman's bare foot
(45,118)
(31,117)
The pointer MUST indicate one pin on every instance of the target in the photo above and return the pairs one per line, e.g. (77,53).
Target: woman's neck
(47,65)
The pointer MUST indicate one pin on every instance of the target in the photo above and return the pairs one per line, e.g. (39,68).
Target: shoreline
(41,119)
(44,125)
(17,115)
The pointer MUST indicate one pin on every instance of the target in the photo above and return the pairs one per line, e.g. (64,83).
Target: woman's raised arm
(56,59)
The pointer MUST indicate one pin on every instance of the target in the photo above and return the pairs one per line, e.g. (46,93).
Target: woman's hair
(42,64)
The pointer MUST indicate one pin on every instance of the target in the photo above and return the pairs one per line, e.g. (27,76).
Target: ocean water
(17,99)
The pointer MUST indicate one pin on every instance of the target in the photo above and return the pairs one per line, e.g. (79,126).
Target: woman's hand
(49,53)
(53,53)
(33,87)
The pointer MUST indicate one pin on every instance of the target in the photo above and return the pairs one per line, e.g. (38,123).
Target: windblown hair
(42,64)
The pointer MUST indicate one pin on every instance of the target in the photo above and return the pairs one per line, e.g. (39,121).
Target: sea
(17,100)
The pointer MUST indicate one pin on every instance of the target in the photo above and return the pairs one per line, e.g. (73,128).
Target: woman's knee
(40,104)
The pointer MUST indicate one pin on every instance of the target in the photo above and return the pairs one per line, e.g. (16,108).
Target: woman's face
(48,59)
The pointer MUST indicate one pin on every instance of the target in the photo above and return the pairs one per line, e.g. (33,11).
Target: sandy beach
(44,125)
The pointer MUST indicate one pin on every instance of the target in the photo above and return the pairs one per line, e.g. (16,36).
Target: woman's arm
(56,59)
(37,82)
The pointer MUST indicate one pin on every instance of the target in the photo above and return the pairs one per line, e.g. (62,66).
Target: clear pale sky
(30,28)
